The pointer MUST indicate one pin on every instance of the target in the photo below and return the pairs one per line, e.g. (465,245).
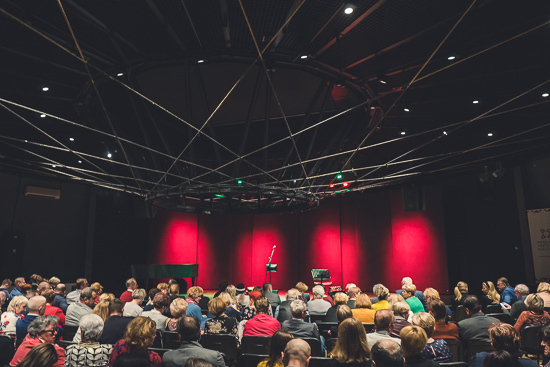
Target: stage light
(489,134)
(219,195)
(79,161)
(339,176)
(120,74)
(403,133)
(294,181)
(53,165)
(345,184)
(45,89)
(109,155)
(42,115)
(382,81)
(445,133)
(71,139)
(331,186)
(303,57)
(239,182)
(475,102)
(545,95)
(200,61)
(451,58)
(406,110)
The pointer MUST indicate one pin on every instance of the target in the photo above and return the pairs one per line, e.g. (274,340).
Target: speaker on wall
(413,197)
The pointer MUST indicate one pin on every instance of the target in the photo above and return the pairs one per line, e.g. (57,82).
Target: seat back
(322,362)
(324,327)
(315,318)
(251,360)
(224,343)
(531,338)
(255,344)
(493,309)
(456,364)
(460,314)
(159,351)
(170,340)
(157,343)
(503,317)
(315,344)
(457,352)
(368,327)
(476,347)
(69,332)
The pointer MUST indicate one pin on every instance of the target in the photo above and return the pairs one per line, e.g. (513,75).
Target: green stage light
(339,176)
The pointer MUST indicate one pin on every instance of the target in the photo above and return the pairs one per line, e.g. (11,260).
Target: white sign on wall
(539,230)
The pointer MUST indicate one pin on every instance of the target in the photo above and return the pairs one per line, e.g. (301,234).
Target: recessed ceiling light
(26,141)
(53,165)
(109,155)
(406,110)
(489,134)
(445,133)
(294,181)
(303,57)
(545,94)
(475,102)
(382,81)
(120,74)
(79,161)
(350,8)
(42,115)
(403,133)
(200,61)
(451,57)
(45,89)
(71,139)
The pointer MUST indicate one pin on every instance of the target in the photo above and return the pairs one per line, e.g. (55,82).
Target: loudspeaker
(413,198)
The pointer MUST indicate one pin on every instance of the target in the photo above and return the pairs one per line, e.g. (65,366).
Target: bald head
(37,305)
(387,353)
(297,353)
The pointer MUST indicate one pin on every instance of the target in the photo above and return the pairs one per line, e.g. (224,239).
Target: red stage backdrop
(361,238)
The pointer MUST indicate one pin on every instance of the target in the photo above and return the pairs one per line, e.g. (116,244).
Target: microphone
(274,246)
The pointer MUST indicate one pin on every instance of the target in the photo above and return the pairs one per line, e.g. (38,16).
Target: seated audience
(535,314)
(503,338)
(43,355)
(84,306)
(139,358)
(230,306)
(160,304)
(41,331)
(434,349)
(115,326)
(277,346)
(9,319)
(401,311)
(381,294)
(340,298)
(4,288)
(433,295)
(297,326)
(413,341)
(262,324)
(174,291)
(17,290)
(476,326)
(363,310)
(36,308)
(353,292)
(461,292)
(178,309)
(6,349)
(131,285)
(318,306)
(443,328)
(151,296)
(408,293)
(351,346)
(221,323)
(297,353)
(543,290)
(384,321)
(243,299)
(60,300)
(134,309)
(387,353)
(418,294)
(52,310)
(249,311)
(3,304)
(490,294)
(97,291)
(521,291)
(507,294)
(195,295)
(89,349)
(282,312)
(74,296)
(342,312)
(164,288)
(221,287)
(302,288)
(102,307)
(500,358)
(274,299)
(189,333)
(139,336)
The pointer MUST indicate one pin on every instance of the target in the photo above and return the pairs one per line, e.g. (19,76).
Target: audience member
(283,312)
(363,310)
(249,311)
(381,293)
(409,291)
(507,294)
(221,287)
(433,295)
(97,290)
(131,285)
(521,291)
(438,350)
(461,292)
(133,309)
(164,288)
(139,358)
(413,341)
(297,353)
(401,311)
(49,295)
(546,343)
(353,292)
(500,358)
(262,324)
(387,353)
(17,290)
(74,296)
(189,333)
(383,321)
(443,328)
(75,311)
(89,350)
(340,298)
(60,300)
(476,326)
(42,286)
(16,307)
(115,326)
(351,345)
(274,299)
(277,345)
(230,306)
(195,295)
(42,355)
(160,304)
(4,287)
(297,326)
(54,281)
(178,309)
(543,290)
(318,306)
(243,300)
(151,294)
(139,336)
(220,323)
(418,294)
(302,288)
(535,314)
(102,307)
(490,294)
(36,307)
(42,330)
(174,291)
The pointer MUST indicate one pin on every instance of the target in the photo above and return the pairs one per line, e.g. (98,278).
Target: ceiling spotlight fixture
(489,134)
(42,115)
(349,8)
(445,133)
(294,181)
(406,110)
(403,133)
(451,57)
(545,95)
(382,81)
(239,182)
(71,139)
(120,74)
(45,89)
(475,102)
(53,165)
(303,57)
(79,161)
(109,155)
(200,61)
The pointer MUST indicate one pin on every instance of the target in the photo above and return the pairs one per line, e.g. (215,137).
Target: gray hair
(297,307)
(318,291)
(522,289)
(86,293)
(40,324)
(380,290)
(349,286)
(139,294)
(92,326)
(291,294)
(35,303)
(406,280)
(17,301)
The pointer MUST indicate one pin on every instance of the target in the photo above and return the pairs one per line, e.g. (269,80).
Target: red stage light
(331,186)
(345,184)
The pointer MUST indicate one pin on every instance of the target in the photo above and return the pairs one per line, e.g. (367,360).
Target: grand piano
(149,271)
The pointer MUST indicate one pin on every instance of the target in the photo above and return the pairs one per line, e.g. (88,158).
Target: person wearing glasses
(42,330)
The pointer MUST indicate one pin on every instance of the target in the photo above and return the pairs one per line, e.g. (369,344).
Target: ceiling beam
(166,24)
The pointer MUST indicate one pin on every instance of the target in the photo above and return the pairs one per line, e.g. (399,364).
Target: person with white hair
(282,312)
(36,307)
(89,352)
(417,293)
(298,327)
(318,306)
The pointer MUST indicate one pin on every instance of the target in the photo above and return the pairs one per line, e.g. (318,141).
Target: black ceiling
(171,122)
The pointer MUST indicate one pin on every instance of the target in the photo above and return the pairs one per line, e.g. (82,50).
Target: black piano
(144,271)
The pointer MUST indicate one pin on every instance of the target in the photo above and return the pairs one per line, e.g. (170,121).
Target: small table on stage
(165,271)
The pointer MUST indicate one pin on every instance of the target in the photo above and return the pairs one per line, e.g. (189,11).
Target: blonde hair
(393,299)
(226,298)
(102,307)
(163,286)
(413,340)
(178,308)
(341,298)
(461,287)
(301,287)
(400,308)
(380,291)
(363,301)
(232,291)
(174,289)
(351,345)
(543,287)
(425,321)
(217,306)
(534,303)
(492,294)
(195,292)
(96,287)
(432,293)
(139,330)
(17,301)
(409,288)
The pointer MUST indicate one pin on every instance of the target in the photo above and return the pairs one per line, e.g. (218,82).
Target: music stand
(270,268)
(320,274)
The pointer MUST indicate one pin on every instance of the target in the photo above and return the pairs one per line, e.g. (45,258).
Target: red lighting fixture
(345,184)
(331,186)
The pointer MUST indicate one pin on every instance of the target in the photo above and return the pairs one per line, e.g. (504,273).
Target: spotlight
(545,95)
(331,186)
(42,115)
(475,102)
(71,139)
(109,155)
(200,61)
(294,181)
(239,182)
(303,57)
(406,110)
(451,57)
(45,89)
(489,134)
(382,81)
(79,161)
(339,176)
(403,133)
(345,184)
(350,8)
(445,133)
(120,74)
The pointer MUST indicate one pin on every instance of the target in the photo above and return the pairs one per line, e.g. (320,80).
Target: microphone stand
(268,267)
